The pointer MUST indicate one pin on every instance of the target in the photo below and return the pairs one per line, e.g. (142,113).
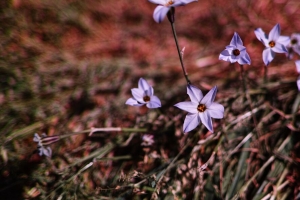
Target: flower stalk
(178,49)
(243,78)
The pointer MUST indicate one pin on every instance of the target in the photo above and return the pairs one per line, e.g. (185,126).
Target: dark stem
(171,19)
(243,78)
(265,74)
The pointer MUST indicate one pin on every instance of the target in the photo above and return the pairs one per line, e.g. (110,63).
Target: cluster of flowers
(236,52)
(201,108)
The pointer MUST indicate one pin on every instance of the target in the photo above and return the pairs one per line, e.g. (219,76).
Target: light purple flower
(274,43)
(294,45)
(164,6)
(298,66)
(143,95)
(147,140)
(201,109)
(235,52)
(42,150)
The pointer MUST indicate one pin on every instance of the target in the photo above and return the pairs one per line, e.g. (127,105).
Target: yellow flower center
(236,52)
(146,98)
(169,3)
(272,44)
(201,108)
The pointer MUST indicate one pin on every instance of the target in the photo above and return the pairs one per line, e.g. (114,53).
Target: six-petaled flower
(235,52)
(274,43)
(143,95)
(200,109)
(164,6)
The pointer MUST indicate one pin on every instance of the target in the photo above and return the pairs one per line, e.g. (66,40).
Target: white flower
(164,6)
(143,95)
(42,150)
(235,52)
(147,140)
(294,45)
(274,43)
(201,109)
(298,66)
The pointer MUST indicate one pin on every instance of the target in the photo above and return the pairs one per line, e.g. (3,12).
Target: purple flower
(201,109)
(41,144)
(274,43)
(235,52)
(147,140)
(164,6)
(143,95)
(294,45)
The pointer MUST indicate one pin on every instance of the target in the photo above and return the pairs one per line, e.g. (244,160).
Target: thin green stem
(180,54)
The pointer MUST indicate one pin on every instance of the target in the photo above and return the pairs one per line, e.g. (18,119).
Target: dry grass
(67,66)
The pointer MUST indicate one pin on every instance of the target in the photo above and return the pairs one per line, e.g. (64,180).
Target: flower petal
(297,67)
(209,97)
(36,138)
(216,110)
(261,36)
(149,92)
(236,40)
(47,151)
(160,13)
(194,93)
(154,102)
(268,56)
(143,84)
(284,40)
(133,102)
(187,1)
(191,122)
(138,94)
(188,106)
(225,55)
(206,120)
(245,59)
(159,2)
(279,48)
(274,33)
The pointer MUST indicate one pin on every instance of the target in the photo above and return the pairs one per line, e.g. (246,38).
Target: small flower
(164,6)
(274,43)
(43,141)
(294,45)
(147,140)
(201,109)
(143,95)
(235,51)
(298,66)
